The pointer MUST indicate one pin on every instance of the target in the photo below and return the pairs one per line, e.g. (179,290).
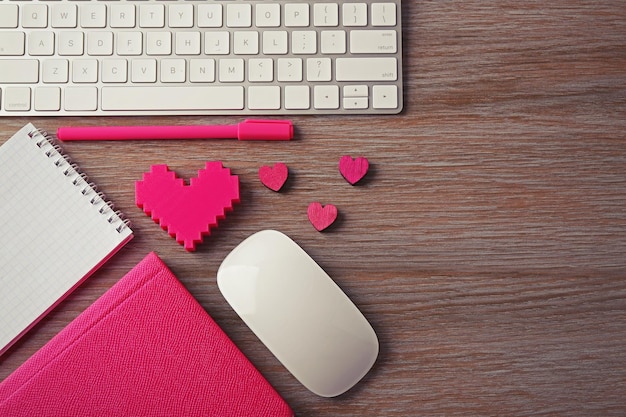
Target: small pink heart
(274,177)
(353,169)
(187,212)
(321,216)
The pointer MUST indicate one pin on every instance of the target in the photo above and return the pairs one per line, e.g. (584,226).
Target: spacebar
(173,98)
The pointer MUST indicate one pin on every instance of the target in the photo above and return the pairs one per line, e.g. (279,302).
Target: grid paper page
(52,233)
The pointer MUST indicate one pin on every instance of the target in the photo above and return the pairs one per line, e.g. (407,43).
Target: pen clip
(267,121)
(265,129)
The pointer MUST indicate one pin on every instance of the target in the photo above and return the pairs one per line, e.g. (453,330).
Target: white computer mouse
(298,312)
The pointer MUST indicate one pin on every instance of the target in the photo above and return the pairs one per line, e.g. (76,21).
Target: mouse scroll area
(298,312)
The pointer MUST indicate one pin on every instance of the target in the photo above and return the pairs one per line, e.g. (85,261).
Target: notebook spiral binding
(72,171)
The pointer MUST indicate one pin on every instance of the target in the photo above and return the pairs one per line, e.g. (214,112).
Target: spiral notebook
(55,230)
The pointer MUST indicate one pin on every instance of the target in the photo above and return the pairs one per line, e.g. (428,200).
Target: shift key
(366,69)
(19,71)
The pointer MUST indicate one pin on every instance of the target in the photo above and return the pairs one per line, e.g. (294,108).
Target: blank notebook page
(55,230)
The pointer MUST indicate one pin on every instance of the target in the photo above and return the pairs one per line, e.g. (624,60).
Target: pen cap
(265,130)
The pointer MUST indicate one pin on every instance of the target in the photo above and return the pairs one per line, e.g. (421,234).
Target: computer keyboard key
(93,15)
(297,97)
(326,97)
(260,70)
(180,15)
(16,99)
(55,71)
(152,15)
(19,71)
(290,69)
(210,15)
(202,70)
(34,15)
(354,14)
(265,97)
(100,43)
(63,15)
(296,15)
(239,15)
(333,42)
(275,42)
(187,43)
(246,42)
(385,96)
(267,15)
(318,69)
(84,71)
(48,99)
(41,43)
(71,43)
(304,42)
(8,15)
(355,90)
(216,43)
(158,43)
(326,14)
(175,98)
(373,42)
(12,43)
(355,103)
(129,43)
(383,14)
(173,70)
(143,70)
(81,98)
(122,15)
(366,69)
(114,71)
(231,70)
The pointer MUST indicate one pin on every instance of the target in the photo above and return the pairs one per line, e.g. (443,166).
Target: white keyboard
(155,57)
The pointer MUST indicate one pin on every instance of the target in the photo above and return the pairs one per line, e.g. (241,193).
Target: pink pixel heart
(321,216)
(274,177)
(353,169)
(187,212)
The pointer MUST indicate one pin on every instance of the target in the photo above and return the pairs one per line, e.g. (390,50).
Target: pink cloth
(145,348)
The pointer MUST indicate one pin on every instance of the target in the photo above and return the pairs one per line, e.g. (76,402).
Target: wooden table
(487,244)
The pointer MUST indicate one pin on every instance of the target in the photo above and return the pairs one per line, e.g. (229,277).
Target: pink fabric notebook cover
(145,348)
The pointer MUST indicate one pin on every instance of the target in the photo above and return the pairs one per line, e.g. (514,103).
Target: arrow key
(355,103)
(385,97)
(355,90)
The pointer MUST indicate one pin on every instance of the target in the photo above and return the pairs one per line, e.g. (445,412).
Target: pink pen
(250,129)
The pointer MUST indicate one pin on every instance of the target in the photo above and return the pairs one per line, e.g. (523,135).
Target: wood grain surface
(487,243)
